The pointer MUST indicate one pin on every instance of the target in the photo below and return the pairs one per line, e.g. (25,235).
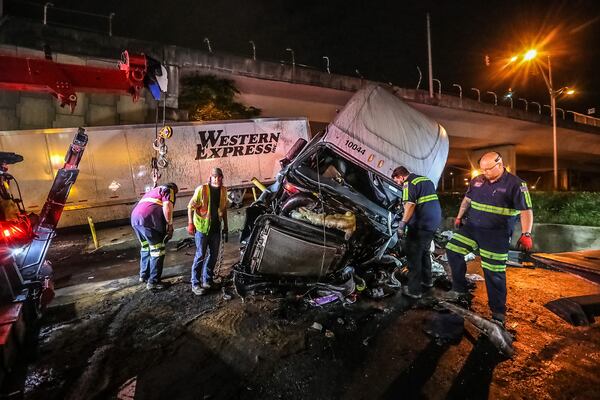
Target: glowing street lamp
(529,56)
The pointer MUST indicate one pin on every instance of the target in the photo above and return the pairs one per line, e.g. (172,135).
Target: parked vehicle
(117,169)
(334,207)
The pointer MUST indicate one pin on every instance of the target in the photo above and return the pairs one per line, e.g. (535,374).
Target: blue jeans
(152,252)
(207,253)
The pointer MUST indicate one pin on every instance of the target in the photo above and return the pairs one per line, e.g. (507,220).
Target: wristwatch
(527,234)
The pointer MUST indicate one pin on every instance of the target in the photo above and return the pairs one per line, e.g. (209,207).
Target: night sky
(384,40)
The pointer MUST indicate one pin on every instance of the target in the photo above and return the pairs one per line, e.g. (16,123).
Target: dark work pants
(207,253)
(418,244)
(152,253)
(492,245)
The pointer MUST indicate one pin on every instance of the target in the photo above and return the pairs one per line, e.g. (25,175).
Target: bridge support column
(508,153)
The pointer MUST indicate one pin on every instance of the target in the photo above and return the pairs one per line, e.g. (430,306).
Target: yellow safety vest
(201,207)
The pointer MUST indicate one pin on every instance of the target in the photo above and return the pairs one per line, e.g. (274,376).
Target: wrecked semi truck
(334,208)
(117,168)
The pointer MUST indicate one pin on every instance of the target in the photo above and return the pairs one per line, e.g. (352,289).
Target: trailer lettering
(215,144)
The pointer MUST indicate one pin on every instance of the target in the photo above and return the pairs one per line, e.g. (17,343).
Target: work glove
(225,236)
(191,229)
(526,242)
(457,222)
(401,229)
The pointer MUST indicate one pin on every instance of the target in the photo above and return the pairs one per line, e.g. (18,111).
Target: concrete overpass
(286,90)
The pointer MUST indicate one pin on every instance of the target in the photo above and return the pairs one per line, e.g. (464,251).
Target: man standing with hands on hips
(485,223)
(206,209)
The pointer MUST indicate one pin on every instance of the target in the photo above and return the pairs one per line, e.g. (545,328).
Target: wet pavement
(128,342)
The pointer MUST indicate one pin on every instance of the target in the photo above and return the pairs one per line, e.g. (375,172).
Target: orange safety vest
(201,207)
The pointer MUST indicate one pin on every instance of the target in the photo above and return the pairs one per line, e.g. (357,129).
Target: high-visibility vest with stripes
(201,204)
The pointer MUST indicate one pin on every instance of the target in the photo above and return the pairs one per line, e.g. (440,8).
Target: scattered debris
(474,277)
(317,326)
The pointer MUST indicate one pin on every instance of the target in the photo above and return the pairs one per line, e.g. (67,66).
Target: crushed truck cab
(334,205)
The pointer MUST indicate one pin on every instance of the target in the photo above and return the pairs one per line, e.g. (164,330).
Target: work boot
(198,291)
(142,280)
(206,285)
(155,286)
(498,319)
(407,293)
(427,285)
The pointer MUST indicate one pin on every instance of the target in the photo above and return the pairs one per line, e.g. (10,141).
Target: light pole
(459,89)
(526,103)
(495,97)
(110,18)
(420,77)
(439,86)
(46,11)
(253,49)
(207,41)
(478,94)
(293,56)
(539,106)
(327,64)
(530,55)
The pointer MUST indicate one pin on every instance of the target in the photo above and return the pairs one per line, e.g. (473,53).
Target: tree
(208,98)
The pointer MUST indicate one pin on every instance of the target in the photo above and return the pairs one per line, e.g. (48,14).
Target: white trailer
(116,171)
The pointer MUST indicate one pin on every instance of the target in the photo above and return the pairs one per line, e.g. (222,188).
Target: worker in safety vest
(485,223)
(152,221)
(422,216)
(206,209)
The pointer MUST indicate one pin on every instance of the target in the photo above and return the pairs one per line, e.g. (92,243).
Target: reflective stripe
(157,246)
(457,249)
(151,200)
(419,179)
(157,253)
(463,239)
(425,199)
(527,195)
(493,256)
(494,209)
(493,267)
(405,192)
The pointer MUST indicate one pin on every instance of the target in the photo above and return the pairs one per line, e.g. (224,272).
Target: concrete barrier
(555,238)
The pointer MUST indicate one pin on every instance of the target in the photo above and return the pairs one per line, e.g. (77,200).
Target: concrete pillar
(508,153)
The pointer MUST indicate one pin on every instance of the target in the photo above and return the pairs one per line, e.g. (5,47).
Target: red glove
(457,222)
(526,242)
(191,229)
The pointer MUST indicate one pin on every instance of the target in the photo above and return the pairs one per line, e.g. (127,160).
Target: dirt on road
(133,343)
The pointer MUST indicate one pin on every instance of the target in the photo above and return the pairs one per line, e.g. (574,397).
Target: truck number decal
(355,147)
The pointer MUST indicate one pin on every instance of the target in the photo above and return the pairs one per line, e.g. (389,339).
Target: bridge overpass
(283,90)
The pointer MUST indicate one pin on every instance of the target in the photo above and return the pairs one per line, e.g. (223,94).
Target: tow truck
(26,284)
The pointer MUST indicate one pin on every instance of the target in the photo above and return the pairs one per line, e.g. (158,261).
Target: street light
(253,49)
(327,64)
(439,86)
(459,89)
(495,97)
(529,56)
(110,18)
(526,103)
(46,11)
(539,106)
(478,93)
(293,56)
(207,41)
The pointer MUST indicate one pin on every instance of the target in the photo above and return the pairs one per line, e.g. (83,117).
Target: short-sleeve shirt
(421,191)
(148,211)
(496,205)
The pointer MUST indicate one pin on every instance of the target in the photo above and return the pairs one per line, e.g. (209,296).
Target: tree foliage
(208,98)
